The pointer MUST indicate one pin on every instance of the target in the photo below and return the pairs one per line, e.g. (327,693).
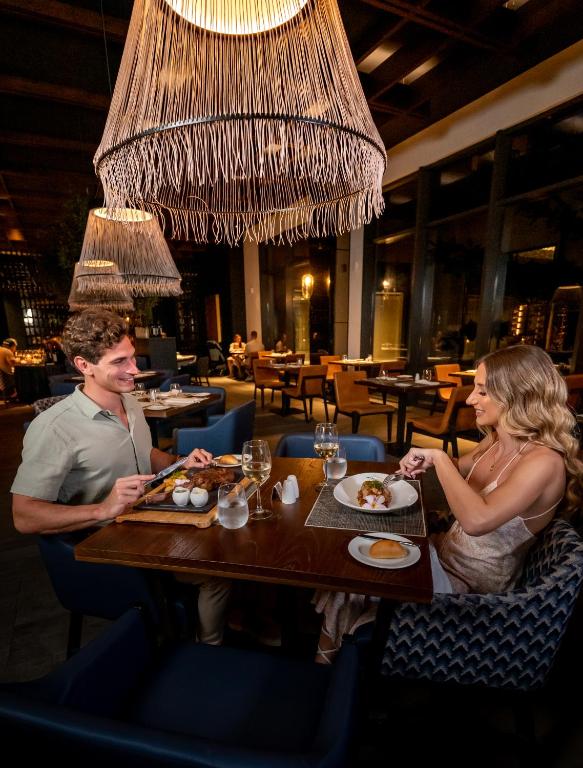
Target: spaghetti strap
(478,460)
(546,512)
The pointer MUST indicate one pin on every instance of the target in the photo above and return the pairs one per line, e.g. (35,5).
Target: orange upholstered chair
(352,400)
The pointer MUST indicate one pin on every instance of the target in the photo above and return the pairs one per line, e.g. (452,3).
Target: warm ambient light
(237,17)
(122,214)
(307,286)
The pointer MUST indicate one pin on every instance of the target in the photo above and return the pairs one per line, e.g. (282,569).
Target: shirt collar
(88,406)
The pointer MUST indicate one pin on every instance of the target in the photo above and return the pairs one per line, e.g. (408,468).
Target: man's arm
(197,458)
(33,515)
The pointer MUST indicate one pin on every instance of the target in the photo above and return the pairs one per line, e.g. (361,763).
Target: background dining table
(157,415)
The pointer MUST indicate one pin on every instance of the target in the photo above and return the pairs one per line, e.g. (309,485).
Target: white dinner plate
(346,492)
(219,463)
(358,547)
(155,407)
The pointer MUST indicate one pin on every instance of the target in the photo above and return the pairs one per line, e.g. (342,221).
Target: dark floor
(403,724)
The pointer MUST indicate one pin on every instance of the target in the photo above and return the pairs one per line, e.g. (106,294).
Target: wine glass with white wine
(256,465)
(326,445)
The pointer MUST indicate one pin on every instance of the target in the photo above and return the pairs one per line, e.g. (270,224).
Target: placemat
(328,513)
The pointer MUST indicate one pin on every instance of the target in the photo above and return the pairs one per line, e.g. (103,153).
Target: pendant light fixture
(124,251)
(236,119)
(78,301)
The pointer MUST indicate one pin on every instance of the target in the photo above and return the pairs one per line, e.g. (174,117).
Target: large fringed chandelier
(240,119)
(119,301)
(124,251)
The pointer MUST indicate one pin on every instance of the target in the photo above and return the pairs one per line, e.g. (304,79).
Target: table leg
(399,445)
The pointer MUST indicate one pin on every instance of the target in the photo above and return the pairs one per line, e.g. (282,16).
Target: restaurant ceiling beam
(16,138)
(69,16)
(63,94)
(424,18)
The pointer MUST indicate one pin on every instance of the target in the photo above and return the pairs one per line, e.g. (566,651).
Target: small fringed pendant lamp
(124,250)
(238,119)
(121,301)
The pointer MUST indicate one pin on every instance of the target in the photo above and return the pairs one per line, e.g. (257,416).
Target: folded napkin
(182,400)
(427,383)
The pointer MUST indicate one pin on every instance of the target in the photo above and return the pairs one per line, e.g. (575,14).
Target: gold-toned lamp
(124,249)
(241,119)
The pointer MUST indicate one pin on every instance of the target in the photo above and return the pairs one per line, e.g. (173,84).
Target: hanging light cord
(105,46)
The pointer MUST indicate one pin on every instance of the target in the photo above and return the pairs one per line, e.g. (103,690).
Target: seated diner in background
(281,345)
(236,359)
(502,494)
(7,360)
(252,348)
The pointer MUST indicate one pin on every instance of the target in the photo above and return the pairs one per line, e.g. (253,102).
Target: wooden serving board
(199,519)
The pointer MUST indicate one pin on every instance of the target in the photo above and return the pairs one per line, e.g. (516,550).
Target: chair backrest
(227,435)
(202,365)
(46,402)
(218,407)
(264,353)
(358,447)
(311,379)
(331,369)
(58,386)
(442,373)
(263,373)
(574,382)
(348,394)
(394,366)
(506,640)
(457,414)
(215,351)
(141,362)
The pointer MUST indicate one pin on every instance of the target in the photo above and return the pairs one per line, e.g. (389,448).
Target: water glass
(233,510)
(175,388)
(335,467)
(154,395)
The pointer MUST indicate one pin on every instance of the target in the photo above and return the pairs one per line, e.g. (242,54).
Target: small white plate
(359,548)
(219,463)
(156,407)
(346,492)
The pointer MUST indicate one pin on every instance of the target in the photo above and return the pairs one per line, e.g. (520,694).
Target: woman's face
(487,412)
(237,339)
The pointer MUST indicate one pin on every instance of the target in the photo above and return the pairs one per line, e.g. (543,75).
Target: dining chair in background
(574,382)
(443,373)
(122,701)
(457,419)
(332,367)
(300,445)
(311,383)
(226,434)
(264,377)
(353,401)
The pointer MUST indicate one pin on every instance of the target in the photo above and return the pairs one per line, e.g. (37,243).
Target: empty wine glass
(427,374)
(140,388)
(175,388)
(325,444)
(256,465)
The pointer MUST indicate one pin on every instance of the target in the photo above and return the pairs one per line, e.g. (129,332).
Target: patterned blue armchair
(507,640)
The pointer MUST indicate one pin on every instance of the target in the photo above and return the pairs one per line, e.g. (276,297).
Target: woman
(236,359)
(502,494)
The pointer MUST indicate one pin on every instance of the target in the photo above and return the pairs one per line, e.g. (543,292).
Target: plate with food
(385,550)
(365,493)
(228,460)
(188,490)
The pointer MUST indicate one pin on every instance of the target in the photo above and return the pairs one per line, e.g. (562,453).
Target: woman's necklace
(512,453)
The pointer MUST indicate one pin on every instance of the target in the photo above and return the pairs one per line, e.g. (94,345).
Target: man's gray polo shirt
(74,452)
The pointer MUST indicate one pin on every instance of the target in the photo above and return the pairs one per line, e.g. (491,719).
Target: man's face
(115,370)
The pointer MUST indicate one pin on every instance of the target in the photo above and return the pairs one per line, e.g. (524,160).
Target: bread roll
(228,458)
(387,548)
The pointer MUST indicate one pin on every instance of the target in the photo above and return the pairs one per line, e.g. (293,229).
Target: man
(252,348)
(7,386)
(87,458)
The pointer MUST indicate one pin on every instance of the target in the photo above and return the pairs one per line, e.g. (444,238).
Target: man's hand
(198,458)
(126,491)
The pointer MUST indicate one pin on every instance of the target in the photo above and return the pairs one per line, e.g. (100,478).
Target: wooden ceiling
(57,58)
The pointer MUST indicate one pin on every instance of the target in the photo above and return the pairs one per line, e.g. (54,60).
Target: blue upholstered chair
(58,385)
(120,702)
(358,447)
(506,640)
(107,591)
(225,435)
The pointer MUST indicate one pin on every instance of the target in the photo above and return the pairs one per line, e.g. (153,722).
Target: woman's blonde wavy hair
(532,398)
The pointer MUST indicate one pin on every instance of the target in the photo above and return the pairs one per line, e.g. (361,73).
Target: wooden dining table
(156,416)
(278,550)
(404,391)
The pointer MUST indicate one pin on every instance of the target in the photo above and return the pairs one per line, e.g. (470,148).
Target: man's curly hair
(91,333)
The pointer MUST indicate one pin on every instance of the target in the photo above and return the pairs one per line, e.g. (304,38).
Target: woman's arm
(535,474)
